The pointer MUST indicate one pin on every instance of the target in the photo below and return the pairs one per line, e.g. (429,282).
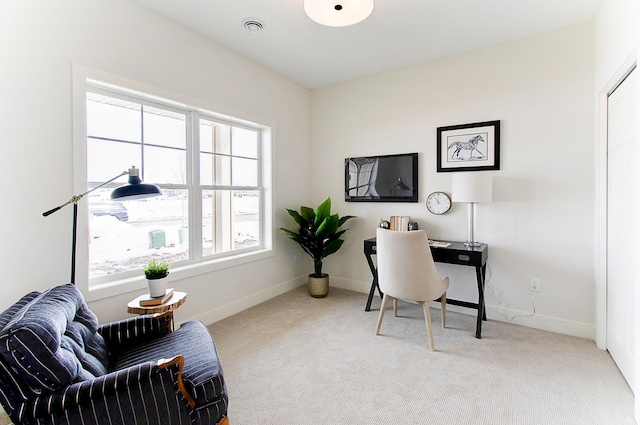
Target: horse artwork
(470,145)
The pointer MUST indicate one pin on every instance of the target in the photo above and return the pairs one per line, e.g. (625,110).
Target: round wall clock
(438,203)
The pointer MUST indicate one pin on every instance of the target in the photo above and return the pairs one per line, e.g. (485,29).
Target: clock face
(438,203)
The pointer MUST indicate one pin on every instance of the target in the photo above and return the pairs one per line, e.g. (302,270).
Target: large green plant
(318,235)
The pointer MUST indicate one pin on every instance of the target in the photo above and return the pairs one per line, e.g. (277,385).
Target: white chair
(406,271)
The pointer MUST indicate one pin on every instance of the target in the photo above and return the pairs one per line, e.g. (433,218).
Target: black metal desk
(456,253)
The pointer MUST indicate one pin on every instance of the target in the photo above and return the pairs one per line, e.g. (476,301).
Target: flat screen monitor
(382,178)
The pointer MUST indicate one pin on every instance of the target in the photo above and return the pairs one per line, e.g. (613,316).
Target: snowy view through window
(200,215)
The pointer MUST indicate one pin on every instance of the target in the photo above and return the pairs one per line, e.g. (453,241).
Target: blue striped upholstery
(8,314)
(202,373)
(53,341)
(11,387)
(142,394)
(136,330)
(112,371)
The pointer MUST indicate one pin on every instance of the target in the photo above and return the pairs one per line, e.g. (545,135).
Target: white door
(621,217)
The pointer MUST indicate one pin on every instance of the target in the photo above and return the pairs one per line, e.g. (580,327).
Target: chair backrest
(405,266)
(52,341)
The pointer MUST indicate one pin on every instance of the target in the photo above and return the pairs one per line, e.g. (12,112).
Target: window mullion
(142,142)
(195,191)
(261,211)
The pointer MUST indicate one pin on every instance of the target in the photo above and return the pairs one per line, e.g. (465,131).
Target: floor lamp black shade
(133,190)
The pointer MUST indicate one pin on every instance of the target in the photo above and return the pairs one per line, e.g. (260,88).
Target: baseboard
(351,285)
(252,300)
(545,323)
(522,318)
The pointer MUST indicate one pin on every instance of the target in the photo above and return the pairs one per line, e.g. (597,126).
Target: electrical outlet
(296,257)
(534,284)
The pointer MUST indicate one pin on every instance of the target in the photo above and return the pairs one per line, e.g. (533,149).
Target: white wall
(617,46)
(616,49)
(540,223)
(616,38)
(39,41)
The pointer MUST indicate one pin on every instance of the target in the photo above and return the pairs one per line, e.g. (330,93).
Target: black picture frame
(381,178)
(468,147)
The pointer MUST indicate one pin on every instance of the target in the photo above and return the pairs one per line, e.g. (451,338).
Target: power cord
(493,294)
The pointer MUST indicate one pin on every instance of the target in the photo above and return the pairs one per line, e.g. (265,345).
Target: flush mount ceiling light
(253,25)
(338,13)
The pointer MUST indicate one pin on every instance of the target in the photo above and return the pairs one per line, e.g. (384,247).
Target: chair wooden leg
(427,318)
(443,302)
(383,307)
(395,307)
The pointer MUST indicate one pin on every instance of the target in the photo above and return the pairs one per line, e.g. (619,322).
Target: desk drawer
(370,246)
(451,256)
(456,253)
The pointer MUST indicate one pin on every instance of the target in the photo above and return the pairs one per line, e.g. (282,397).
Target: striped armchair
(58,366)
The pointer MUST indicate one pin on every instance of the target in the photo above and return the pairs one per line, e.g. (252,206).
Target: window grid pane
(206,169)
(102,111)
(230,220)
(206,135)
(245,172)
(164,128)
(105,159)
(165,166)
(125,235)
(245,143)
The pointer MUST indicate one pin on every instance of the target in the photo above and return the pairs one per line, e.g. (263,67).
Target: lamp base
(473,244)
(471,225)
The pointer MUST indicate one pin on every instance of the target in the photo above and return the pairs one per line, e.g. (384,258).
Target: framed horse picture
(469,147)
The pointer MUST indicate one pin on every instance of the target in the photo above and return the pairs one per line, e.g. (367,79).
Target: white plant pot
(157,287)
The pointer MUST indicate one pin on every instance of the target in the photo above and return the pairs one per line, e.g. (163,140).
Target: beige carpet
(299,360)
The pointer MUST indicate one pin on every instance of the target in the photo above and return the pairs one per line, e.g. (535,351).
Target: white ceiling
(398,32)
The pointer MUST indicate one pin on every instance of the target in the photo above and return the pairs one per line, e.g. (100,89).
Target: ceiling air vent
(253,25)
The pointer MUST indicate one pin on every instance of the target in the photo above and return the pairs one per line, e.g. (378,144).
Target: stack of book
(399,222)
(149,301)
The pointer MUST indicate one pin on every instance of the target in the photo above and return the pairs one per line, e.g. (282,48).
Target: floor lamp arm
(74,200)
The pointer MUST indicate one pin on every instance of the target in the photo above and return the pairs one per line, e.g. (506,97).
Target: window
(210,170)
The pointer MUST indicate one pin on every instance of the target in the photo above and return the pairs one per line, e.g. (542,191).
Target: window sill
(132,284)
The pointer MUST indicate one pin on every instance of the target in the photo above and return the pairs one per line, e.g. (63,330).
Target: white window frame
(83,77)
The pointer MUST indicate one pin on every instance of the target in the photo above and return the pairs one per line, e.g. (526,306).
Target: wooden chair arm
(178,360)
(169,314)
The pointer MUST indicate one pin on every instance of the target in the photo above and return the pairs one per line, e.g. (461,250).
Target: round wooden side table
(176,300)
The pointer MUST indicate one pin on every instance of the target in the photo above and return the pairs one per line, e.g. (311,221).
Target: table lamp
(472,188)
(134,189)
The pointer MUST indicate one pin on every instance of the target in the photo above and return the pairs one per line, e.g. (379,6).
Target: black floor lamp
(134,189)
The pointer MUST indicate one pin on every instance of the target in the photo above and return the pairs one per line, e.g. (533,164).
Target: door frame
(600,263)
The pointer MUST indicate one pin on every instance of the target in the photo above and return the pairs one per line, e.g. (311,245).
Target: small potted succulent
(318,235)
(157,273)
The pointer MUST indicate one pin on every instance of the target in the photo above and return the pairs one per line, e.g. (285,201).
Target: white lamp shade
(471,187)
(338,13)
